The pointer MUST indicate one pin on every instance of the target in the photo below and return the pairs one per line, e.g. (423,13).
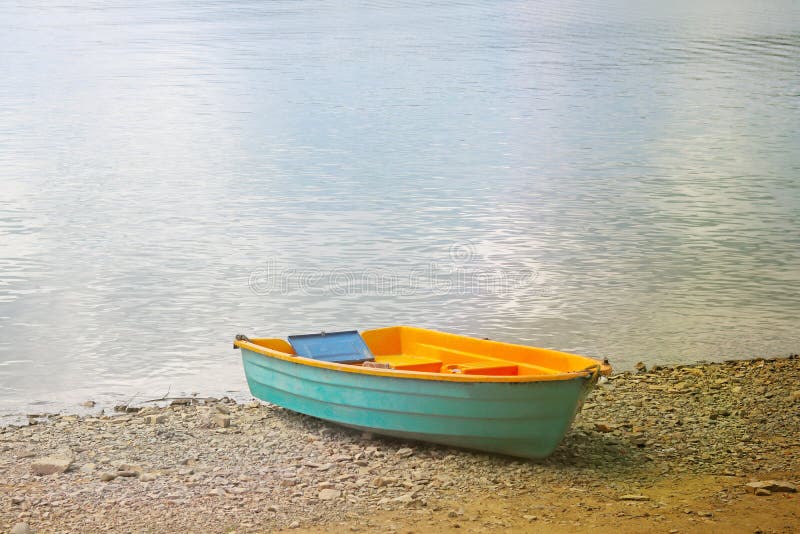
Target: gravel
(217,466)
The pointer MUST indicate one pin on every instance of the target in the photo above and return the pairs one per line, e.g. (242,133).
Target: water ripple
(617,179)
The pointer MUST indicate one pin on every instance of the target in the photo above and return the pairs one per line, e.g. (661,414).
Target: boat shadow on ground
(580,450)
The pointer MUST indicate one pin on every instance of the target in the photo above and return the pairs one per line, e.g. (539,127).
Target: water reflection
(639,159)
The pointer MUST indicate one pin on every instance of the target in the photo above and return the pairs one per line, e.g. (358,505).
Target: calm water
(618,178)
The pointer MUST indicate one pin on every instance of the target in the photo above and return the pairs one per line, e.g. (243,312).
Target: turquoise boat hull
(525,419)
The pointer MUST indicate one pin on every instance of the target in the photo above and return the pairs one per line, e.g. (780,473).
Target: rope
(241,337)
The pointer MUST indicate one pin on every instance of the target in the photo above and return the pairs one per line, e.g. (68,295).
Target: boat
(419,384)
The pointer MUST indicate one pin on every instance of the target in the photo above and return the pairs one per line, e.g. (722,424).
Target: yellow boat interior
(418,350)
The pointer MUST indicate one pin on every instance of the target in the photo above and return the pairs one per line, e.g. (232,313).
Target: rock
(380,482)
(530,518)
(634,497)
(21,528)
(772,486)
(121,419)
(181,402)
(405,452)
(50,465)
(221,420)
(761,492)
(640,367)
(107,477)
(221,408)
(329,494)
(781,486)
(294,524)
(795,396)
(88,468)
(89,404)
(288,482)
(15,501)
(148,477)
(602,427)
(155,419)
(409,499)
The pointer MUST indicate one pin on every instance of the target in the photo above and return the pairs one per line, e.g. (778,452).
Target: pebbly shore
(648,448)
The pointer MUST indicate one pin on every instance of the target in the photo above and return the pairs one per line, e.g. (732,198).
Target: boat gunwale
(592,371)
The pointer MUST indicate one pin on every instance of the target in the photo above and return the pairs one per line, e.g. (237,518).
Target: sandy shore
(670,450)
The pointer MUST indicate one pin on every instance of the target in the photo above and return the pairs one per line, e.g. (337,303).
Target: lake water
(619,179)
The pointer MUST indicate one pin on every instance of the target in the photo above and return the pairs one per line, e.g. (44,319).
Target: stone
(602,427)
(530,518)
(772,486)
(21,528)
(380,482)
(634,497)
(409,499)
(294,524)
(89,404)
(17,500)
(329,494)
(181,402)
(221,408)
(148,477)
(405,452)
(107,477)
(761,492)
(781,486)
(221,420)
(88,468)
(640,367)
(155,419)
(50,465)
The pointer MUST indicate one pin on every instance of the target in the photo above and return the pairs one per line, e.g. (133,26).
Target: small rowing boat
(420,384)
